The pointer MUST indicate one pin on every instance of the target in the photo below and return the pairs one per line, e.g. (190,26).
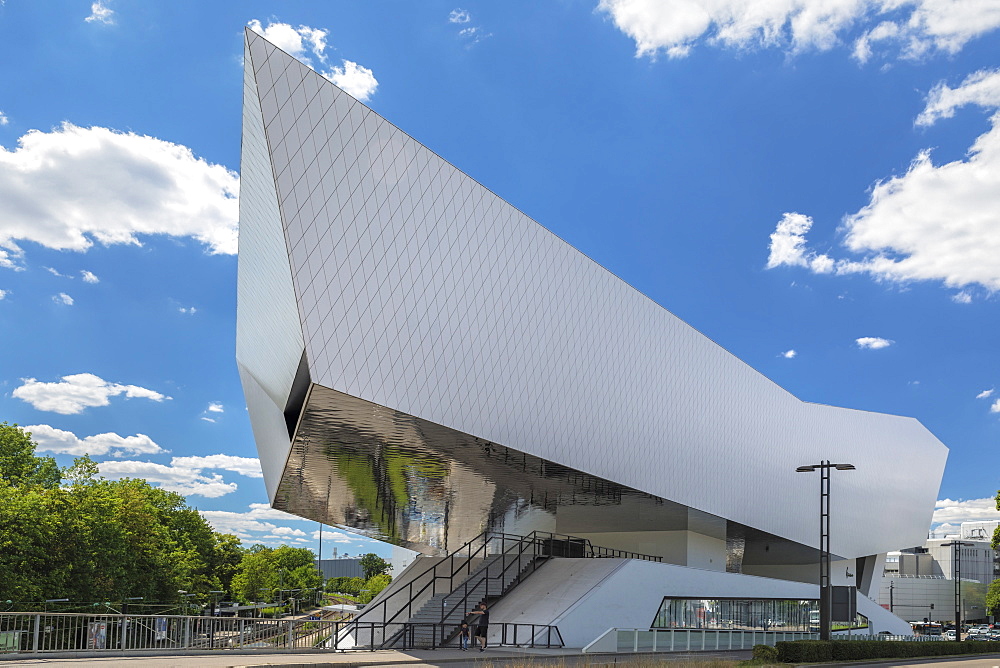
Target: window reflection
(738,614)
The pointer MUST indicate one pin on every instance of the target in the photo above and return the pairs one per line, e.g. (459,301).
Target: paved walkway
(450,658)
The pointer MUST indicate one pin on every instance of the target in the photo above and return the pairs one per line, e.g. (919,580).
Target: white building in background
(917,578)
(422,363)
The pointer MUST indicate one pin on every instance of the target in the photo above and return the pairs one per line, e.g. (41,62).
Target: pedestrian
(482,625)
(463,636)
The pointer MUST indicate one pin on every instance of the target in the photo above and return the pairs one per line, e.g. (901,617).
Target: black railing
(528,551)
(427,635)
(514,634)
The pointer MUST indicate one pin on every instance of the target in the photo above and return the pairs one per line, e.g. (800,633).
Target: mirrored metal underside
(397,478)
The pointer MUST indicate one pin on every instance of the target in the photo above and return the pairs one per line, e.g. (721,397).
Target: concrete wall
(586,597)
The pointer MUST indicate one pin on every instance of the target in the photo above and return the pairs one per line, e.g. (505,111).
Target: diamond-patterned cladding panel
(269,340)
(420,290)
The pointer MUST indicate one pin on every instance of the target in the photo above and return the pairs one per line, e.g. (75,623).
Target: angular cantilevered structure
(423,362)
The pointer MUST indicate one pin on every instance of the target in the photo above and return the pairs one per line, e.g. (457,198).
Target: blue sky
(813,185)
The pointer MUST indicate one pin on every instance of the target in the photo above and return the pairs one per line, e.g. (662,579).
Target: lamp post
(211,620)
(215,600)
(956,570)
(825,589)
(185,601)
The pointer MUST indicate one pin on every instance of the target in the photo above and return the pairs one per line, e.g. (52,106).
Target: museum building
(424,364)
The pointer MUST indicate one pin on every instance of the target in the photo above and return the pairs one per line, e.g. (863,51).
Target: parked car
(949,634)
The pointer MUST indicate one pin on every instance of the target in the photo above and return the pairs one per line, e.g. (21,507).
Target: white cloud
(295,42)
(63,298)
(995,408)
(70,187)
(3,293)
(101,13)
(985,394)
(55,272)
(788,245)
(246,466)
(59,441)
(72,394)
(919,27)
(215,407)
(948,510)
(335,536)
(472,34)
(873,342)
(263,524)
(355,80)
(258,520)
(789,354)
(184,480)
(935,222)
(89,277)
(189,310)
(207,419)
(962,297)
(979,88)
(3,119)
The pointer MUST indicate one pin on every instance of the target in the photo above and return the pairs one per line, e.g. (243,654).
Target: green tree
(373,565)
(993,598)
(255,575)
(92,539)
(337,585)
(227,553)
(996,532)
(373,586)
(18,464)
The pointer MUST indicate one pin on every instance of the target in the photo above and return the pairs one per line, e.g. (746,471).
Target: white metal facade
(411,286)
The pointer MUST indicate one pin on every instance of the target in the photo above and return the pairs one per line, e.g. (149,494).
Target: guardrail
(617,640)
(37,633)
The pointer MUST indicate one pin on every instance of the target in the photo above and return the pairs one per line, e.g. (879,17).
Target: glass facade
(737,614)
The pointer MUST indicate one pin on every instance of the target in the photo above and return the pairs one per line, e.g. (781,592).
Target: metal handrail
(535,538)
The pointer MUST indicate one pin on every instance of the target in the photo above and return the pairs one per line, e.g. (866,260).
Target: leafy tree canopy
(18,463)
(993,598)
(72,534)
(373,565)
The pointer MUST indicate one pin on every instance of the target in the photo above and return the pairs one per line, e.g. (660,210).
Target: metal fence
(112,633)
(687,640)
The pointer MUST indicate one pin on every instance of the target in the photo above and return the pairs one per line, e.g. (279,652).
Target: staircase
(438,620)
(427,609)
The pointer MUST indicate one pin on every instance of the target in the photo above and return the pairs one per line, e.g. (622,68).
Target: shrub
(804,651)
(765,653)
(812,651)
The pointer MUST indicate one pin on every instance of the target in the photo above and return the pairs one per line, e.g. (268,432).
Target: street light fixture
(126,600)
(54,600)
(956,570)
(825,588)
(185,600)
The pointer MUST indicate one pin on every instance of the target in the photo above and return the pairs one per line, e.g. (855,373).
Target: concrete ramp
(586,597)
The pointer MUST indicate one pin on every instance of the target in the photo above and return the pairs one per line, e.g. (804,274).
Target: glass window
(738,614)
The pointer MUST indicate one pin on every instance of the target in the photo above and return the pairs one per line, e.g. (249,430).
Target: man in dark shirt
(482,625)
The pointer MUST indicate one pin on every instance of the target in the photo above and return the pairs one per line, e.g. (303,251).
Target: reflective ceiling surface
(407,481)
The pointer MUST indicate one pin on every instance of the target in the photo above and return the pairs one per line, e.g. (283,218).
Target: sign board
(845,604)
